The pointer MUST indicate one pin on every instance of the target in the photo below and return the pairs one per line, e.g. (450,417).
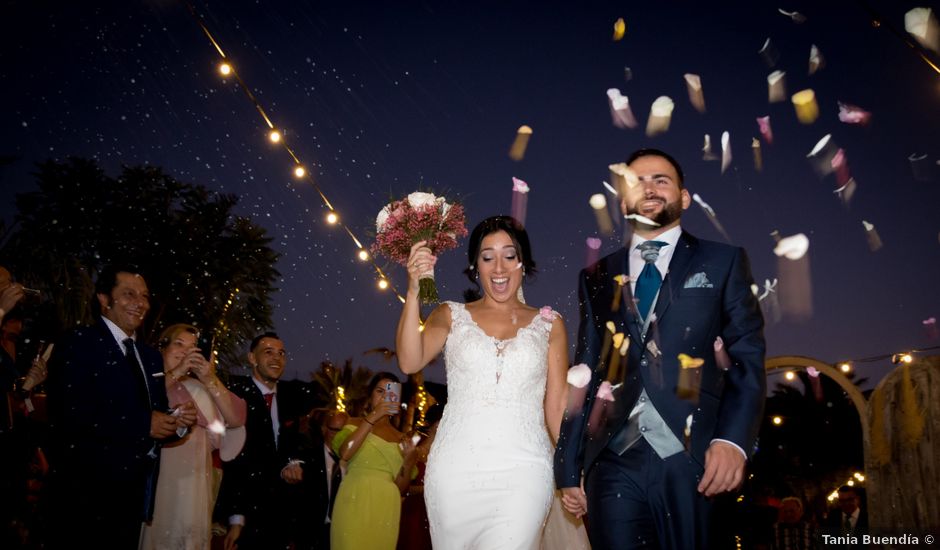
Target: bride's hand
(420,261)
(574,501)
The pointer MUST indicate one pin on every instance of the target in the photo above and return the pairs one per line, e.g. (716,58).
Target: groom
(673,336)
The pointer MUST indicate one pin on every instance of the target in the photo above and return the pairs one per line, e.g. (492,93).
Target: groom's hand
(724,469)
(574,500)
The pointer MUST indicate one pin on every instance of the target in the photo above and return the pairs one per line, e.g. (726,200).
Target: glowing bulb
(850,483)
(789,375)
(274,136)
(363,255)
(332,218)
(833,496)
(845,367)
(907,358)
(300,172)
(225,69)
(383,284)
(778,420)
(859,476)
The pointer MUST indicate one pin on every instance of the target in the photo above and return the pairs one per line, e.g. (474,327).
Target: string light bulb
(383,284)
(906,358)
(845,367)
(363,254)
(225,69)
(789,375)
(274,136)
(777,420)
(332,218)
(300,172)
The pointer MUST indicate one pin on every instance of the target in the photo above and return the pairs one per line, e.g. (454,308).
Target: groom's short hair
(650,152)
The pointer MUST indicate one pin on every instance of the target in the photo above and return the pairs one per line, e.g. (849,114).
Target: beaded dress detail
(489,478)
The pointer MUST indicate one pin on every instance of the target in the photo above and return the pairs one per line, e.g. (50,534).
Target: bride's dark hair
(519,237)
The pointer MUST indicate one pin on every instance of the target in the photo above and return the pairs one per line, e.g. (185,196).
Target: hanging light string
(878,21)
(226,68)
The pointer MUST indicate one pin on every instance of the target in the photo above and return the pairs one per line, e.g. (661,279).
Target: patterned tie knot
(649,250)
(129,346)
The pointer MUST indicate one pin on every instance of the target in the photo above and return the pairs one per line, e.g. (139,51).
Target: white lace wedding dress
(489,480)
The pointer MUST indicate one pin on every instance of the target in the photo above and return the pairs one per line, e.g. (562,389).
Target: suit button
(643,429)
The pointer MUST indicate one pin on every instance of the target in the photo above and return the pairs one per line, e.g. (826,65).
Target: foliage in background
(193,251)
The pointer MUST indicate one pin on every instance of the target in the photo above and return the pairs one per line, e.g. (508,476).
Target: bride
(489,476)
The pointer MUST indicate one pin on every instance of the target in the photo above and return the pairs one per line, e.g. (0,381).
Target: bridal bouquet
(419,217)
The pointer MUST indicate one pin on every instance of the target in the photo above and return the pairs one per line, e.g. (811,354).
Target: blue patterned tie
(647,284)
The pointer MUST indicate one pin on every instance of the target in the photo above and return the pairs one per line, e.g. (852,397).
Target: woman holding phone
(381,463)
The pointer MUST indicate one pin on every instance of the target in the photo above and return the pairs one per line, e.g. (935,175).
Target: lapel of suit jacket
(678,267)
(628,311)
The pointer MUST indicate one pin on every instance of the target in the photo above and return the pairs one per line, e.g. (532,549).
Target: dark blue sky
(382,98)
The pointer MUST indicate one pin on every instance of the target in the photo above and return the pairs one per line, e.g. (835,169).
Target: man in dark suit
(673,336)
(313,472)
(108,414)
(848,522)
(251,496)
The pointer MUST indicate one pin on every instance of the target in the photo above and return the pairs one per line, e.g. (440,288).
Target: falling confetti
(795,294)
(660,116)
(807,110)
(922,25)
(627,74)
(520,198)
(712,217)
(874,241)
(921,167)
(620,28)
(593,250)
(794,16)
(693,84)
(579,375)
(821,155)
(852,114)
(758,158)
(689,362)
(930,325)
(776,87)
(766,132)
(620,112)
(816,60)
(598,202)
(769,53)
(517,151)
(793,247)
(707,153)
(725,151)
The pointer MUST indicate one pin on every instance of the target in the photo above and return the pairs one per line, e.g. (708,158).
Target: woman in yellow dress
(381,461)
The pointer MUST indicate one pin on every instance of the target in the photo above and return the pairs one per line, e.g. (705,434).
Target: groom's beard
(669,213)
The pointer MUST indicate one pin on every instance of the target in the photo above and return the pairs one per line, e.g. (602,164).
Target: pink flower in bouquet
(547,313)
(419,217)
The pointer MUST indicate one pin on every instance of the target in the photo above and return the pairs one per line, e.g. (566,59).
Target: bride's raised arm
(414,347)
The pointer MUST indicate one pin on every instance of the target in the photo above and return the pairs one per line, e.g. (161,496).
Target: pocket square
(698,280)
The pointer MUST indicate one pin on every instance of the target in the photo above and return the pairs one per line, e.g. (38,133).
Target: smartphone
(392,392)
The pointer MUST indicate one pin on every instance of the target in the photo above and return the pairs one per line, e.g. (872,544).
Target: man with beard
(674,339)
(251,497)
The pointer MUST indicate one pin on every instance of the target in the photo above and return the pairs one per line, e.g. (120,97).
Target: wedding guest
(791,531)
(381,459)
(251,496)
(108,410)
(182,516)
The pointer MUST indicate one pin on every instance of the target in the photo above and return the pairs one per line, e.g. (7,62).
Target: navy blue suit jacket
(690,314)
(100,420)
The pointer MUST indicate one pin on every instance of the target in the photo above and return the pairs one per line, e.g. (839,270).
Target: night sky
(383,98)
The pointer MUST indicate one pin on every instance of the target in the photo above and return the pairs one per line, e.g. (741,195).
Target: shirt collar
(670,237)
(117,332)
(264,389)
